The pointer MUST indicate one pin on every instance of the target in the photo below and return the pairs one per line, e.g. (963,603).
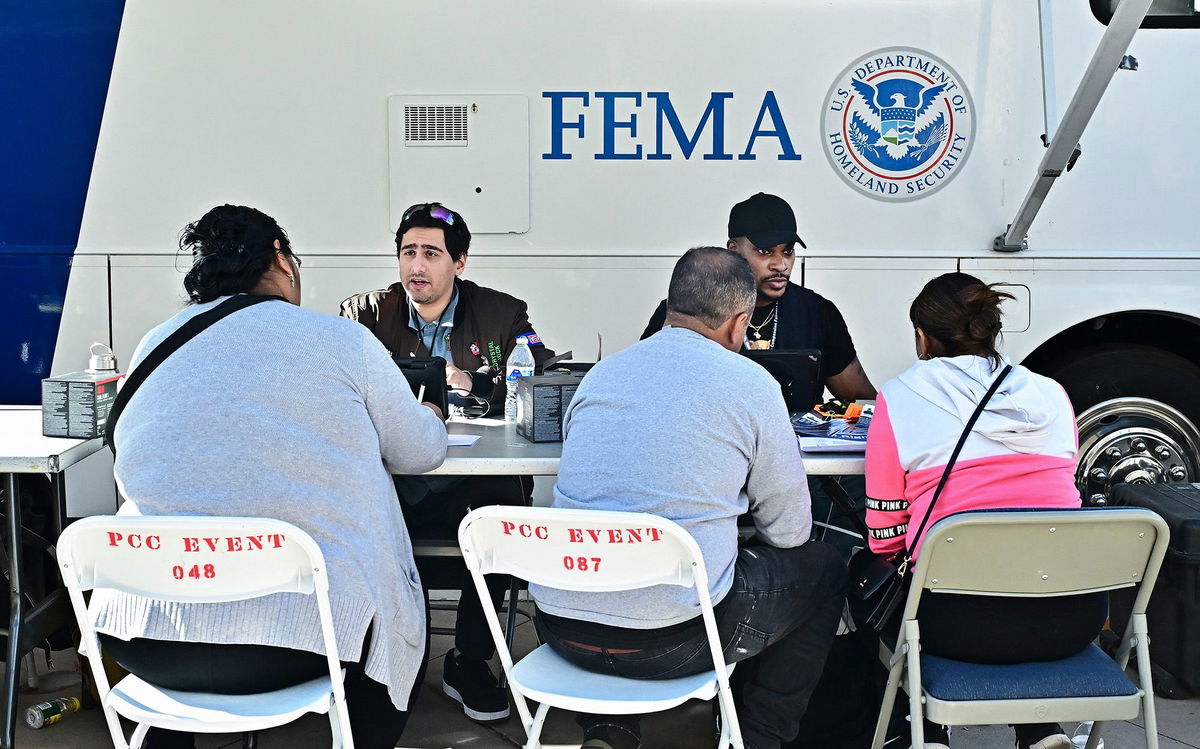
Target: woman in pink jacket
(1020,453)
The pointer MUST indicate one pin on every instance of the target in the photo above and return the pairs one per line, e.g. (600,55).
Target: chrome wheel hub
(1134,441)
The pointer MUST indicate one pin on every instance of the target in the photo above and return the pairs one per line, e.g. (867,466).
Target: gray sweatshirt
(679,427)
(281,412)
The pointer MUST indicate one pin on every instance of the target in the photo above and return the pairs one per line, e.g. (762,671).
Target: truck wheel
(1137,408)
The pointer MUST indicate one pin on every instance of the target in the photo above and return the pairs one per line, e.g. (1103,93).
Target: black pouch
(877,586)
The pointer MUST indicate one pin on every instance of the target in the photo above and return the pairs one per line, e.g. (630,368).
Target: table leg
(58,513)
(845,505)
(12,671)
(510,632)
(32,679)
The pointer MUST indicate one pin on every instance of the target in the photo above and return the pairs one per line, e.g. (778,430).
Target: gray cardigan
(679,427)
(278,411)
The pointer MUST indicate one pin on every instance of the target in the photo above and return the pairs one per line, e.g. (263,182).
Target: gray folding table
(23,449)
(501,451)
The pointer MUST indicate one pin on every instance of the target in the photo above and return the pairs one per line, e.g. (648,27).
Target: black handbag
(878,584)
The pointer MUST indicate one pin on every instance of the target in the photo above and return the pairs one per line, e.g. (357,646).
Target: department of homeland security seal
(898,124)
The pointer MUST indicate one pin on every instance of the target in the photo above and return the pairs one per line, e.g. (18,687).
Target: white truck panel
(284,106)
(589,189)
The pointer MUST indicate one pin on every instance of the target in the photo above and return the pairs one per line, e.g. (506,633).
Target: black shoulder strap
(908,552)
(170,345)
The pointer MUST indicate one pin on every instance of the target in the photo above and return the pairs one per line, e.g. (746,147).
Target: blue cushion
(1089,673)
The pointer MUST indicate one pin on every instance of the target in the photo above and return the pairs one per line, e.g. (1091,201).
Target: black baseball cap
(766,220)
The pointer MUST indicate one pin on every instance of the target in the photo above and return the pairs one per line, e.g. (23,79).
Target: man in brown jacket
(433,312)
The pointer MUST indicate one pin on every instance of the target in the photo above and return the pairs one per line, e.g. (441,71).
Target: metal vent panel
(435,125)
(469,151)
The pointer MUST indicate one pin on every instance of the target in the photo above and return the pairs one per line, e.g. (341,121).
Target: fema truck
(589,144)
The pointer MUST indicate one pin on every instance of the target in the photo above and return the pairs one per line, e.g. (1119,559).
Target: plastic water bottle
(520,364)
(1082,732)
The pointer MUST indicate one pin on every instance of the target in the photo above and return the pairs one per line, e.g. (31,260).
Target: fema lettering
(622,114)
(898,124)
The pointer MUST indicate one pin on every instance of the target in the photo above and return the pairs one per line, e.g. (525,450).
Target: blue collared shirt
(436,338)
(435,335)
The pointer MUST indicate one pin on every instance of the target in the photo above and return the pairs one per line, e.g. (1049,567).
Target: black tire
(1149,379)
(1101,373)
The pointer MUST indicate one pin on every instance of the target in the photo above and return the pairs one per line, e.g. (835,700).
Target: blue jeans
(778,621)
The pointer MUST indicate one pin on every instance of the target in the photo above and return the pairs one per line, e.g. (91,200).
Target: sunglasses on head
(436,210)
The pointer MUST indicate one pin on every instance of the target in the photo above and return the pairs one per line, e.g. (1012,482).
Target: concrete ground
(438,722)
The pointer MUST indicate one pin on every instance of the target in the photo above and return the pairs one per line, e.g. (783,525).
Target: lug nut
(1113,453)
(1097,500)
(1139,445)
(1162,452)
(1178,473)
(1098,474)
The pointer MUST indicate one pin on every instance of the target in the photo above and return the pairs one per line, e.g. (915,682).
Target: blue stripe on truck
(57,58)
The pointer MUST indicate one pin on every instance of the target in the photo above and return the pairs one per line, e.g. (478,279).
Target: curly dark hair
(458,237)
(232,246)
(960,314)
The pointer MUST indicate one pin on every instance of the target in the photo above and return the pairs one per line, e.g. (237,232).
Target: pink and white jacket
(1021,452)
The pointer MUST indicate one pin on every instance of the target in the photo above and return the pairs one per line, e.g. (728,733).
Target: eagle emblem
(898,124)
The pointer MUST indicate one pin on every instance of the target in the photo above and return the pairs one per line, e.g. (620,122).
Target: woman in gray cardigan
(276,411)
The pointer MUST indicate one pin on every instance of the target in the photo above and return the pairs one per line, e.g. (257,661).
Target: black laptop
(798,373)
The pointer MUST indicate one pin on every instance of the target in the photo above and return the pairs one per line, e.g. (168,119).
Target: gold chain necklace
(756,330)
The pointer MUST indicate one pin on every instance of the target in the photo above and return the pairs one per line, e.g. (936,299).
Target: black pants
(778,621)
(437,516)
(1002,631)
(246,669)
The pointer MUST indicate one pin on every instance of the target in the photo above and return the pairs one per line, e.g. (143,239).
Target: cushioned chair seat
(1089,673)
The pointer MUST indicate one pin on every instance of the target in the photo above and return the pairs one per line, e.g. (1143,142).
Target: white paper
(829,445)
(462,440)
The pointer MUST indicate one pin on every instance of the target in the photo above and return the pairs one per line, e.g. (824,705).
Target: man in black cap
(762,229)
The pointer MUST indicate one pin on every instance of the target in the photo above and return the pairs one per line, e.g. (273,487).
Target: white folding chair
(535,544)
(200,560)
(1033,553)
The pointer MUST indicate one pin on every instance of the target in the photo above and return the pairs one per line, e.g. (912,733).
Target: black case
(1174,610)
(428,372)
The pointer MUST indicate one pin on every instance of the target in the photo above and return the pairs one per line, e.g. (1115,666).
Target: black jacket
(486,325)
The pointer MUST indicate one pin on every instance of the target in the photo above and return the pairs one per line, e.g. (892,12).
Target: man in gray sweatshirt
(681,426)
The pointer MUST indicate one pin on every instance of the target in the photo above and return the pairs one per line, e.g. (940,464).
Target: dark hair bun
(982,312)
(960,314)
(232,246)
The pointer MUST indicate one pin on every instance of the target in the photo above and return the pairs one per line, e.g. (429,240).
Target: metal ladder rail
(1064,140)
